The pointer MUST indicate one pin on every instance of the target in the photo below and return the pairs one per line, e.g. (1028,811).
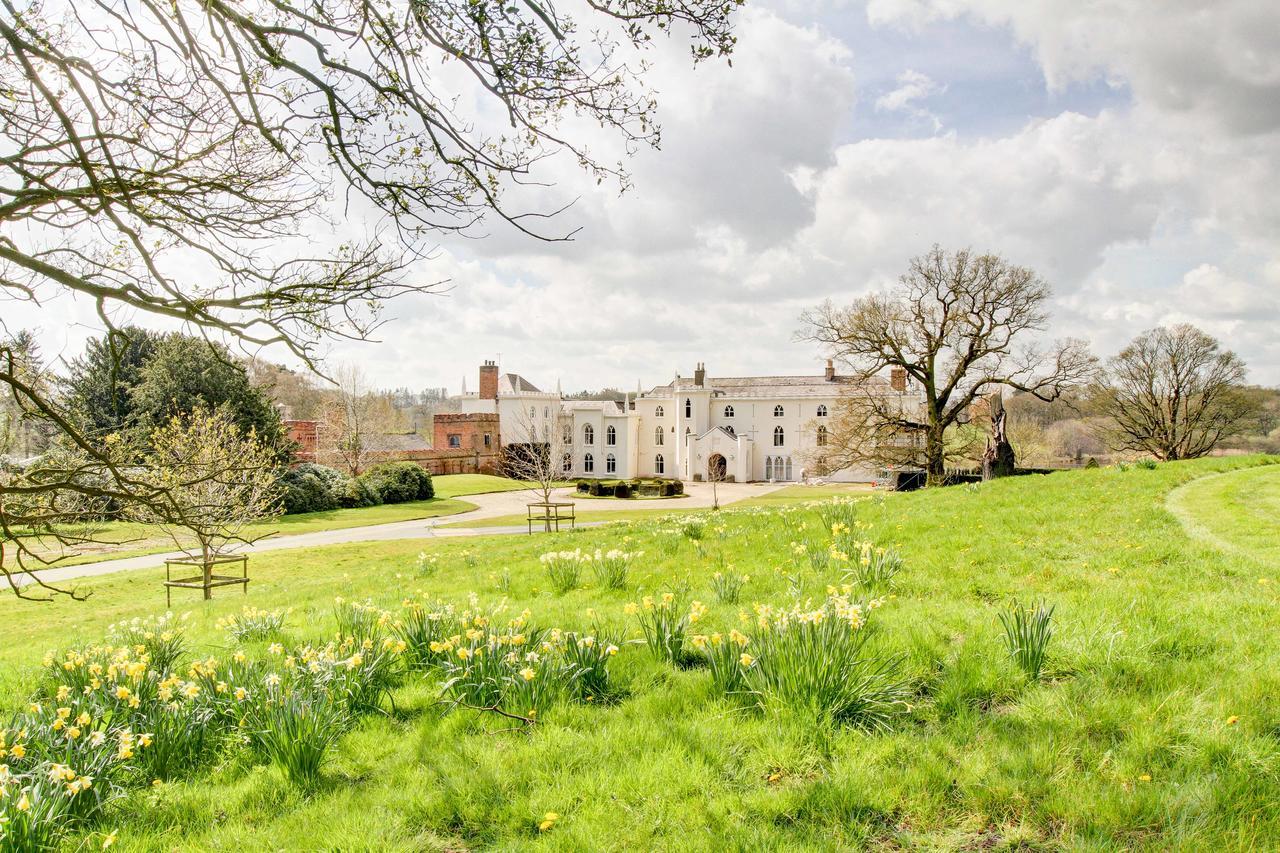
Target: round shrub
(622,490)
(304,492)
(356,492)
(398,482)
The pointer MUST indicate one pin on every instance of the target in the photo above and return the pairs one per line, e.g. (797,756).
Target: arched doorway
(717,468)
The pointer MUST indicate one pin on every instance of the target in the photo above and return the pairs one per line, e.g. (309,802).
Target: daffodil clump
(512,666)
(564,568)
(812,659)
(726,657)
(253,623)
(727,585)
(665,622)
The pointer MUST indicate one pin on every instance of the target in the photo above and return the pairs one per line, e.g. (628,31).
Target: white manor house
(764,428)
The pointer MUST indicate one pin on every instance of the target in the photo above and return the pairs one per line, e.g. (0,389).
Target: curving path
(1236,511)
(489,505)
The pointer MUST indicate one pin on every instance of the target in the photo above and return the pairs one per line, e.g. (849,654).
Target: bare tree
(543,460)
(354,423)
(1174,393)
(154,149)
(958,326)
(215,481)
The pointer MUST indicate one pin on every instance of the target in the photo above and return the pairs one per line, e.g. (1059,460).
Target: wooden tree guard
(550,514)
(206,579)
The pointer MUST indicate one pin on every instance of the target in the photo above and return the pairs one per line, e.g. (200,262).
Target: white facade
(693,428)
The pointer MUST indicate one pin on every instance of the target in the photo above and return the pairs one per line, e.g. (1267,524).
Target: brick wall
(489,381)
(472,455)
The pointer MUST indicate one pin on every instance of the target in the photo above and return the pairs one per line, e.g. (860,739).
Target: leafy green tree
(186,373)
(98,384)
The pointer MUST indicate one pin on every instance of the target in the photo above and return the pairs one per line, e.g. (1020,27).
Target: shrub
(1027,631)
(593,488)
(622,490)
(813,661)
(399,482)
(356,492)
(584,486)
(303,491)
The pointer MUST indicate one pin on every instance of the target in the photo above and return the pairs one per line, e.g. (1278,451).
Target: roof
(514,383)
(401,442)
(767,386)
(609,407)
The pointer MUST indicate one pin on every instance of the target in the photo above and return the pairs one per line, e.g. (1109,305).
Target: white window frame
(779,436)
(659,464)
(611,436)
(611,464)
(588,463)
(778,411)
(728,411)
(588,435)
(659,436)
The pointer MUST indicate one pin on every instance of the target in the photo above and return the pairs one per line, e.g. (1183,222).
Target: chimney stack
(898,379)
(831,371)
(489,381)
(700,374)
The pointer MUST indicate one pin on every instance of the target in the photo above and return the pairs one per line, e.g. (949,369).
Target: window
(610,435)
(728,411)
(779,437)
(588,463)
(729,429)
(588,434)
(777,411)
(611,464)
(533,412)
(659,465)
(658,412)
(546,411)
(568,433)
(822,411)
(455,440)
(768,467)
(688,407)
(822,436)
(488,440)
(659,436)
(567,463)
(788,474)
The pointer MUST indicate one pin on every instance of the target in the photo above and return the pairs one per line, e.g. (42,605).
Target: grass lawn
(133,539)
(1156,727)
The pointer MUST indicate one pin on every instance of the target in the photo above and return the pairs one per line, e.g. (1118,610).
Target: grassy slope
(135,539)
(1160,640)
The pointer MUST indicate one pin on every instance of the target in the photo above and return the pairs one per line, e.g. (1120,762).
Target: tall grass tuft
(294,730)
(564,568)
(728,586)
(665,622)
(874,567)
(1027,631)
(814,662)
(253,623)
(838,512)
(611,567)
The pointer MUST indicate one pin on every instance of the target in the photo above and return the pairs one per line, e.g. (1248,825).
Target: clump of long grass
(253,623)
(612,567)
(1027,632)
(564,568)
(726,658)
(665,623)
(838,511)
(294,729)
(727,585)
(873,567)
(814,661)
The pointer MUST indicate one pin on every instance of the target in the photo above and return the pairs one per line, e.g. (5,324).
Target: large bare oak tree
(177,158)
(959,325)
(1174,393)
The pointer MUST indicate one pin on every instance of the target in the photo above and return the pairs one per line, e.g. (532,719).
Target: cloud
(913,87)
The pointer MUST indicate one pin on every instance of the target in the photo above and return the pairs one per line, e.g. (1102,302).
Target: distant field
(1153,729)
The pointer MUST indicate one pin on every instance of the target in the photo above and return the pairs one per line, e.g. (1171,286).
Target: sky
(1131,158)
